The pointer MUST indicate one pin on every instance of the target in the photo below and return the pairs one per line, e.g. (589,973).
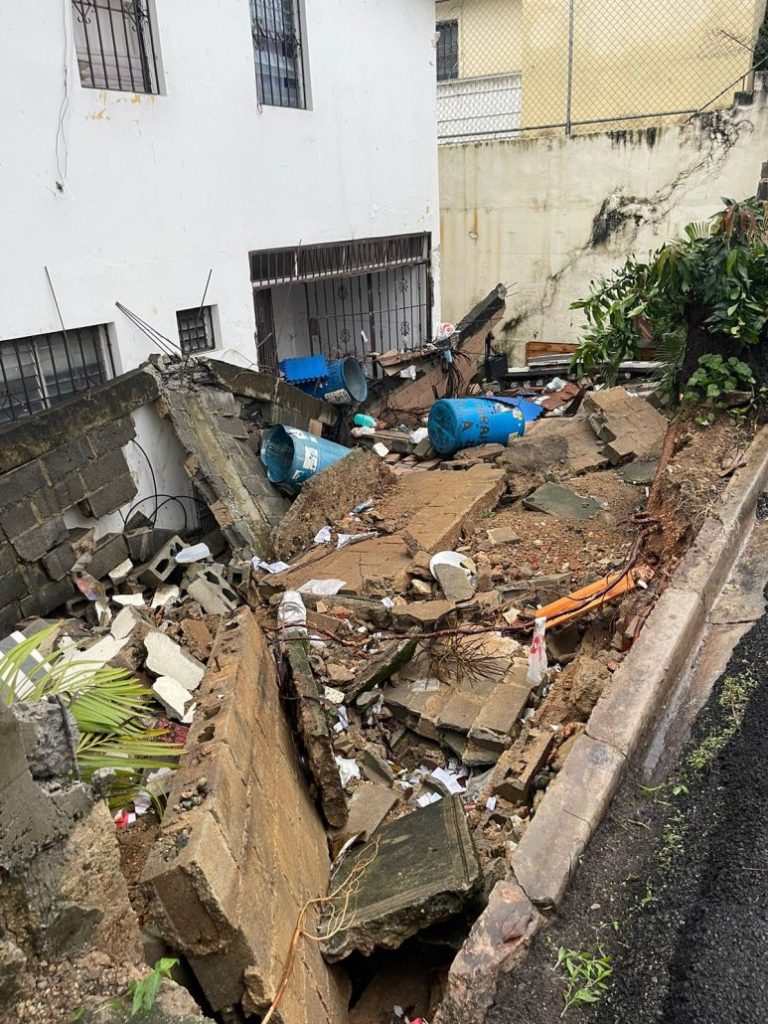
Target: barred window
(39,371)
(115,45)
(447,50)
(195,329)
(277,46)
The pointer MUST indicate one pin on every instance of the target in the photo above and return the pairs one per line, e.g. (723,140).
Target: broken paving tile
(503,535)
(641,472)
(417,871)
(368,807)
(381,667)
(456,583)
(555,500)
(167,658)
(629,425)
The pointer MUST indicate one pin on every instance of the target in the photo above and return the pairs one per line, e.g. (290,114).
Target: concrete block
(69,491)
(496,945)
(173,696)
(144,542)
(102,471)
(113,435)
(162,566)
(126,620)
(517,766)
(109,551)
(32,545)
(47,598)
(59,562)
(572,808)
(166,658)
(66,459)
(13,586)
(18,484)
(17,519)
(402,891)
(369,806)
(7,558)
(213,593)
(110,498)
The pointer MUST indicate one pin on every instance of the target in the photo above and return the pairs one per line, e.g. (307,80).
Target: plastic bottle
(361,420)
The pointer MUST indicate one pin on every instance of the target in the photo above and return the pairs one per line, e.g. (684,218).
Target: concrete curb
(623,719)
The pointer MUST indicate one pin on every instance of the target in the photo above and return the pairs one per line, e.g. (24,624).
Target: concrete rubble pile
(365,733)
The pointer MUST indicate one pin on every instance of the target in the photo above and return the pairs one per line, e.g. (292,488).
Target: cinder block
(167,658)
(66,459)
(34,543)
(20,483)
(9,617)
(144,542)
(18,519)
(112,436)
(109,551)
(162,566)
(213,593)
(7,559)
(110,498)
(104,470)
(69,491)
(48,597)
(60,560)
(12,587)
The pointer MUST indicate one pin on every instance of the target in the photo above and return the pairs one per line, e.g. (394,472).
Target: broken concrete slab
(628,424)
(641,472)
(555,500)
(456,584)
(374,767)
(381,667)
(233,866)
(418,871)
(373,567)
(313,727)
(497,943)
(326,497)
(503,535)
(560,446)
(517,766)
(174,697)
(422,613)
(223,467)
(49,733)
(370,804)
(167,658)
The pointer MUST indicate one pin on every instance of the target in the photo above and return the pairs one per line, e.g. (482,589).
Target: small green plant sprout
(144,993)
(720,384)
(586,976)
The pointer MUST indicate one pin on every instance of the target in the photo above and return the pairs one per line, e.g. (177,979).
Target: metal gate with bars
(362,296)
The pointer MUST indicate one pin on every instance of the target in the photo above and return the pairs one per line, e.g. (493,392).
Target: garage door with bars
(350,298)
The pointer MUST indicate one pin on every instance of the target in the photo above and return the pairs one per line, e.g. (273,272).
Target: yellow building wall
(630,57)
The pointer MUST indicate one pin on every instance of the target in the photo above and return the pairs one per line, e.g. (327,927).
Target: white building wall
(157,190)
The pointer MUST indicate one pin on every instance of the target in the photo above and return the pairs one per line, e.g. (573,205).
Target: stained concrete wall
(546,216)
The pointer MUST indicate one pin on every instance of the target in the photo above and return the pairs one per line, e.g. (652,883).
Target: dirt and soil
(135,843)
(672,886)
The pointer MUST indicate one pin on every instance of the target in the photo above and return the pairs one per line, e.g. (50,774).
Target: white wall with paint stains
(134,198)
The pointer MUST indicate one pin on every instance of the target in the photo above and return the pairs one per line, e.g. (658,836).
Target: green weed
(586,976)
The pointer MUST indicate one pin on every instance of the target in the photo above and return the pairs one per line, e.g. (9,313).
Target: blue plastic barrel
(293,456)
(345,383)
(456,423)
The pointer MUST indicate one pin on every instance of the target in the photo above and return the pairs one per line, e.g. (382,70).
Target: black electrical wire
(151,472)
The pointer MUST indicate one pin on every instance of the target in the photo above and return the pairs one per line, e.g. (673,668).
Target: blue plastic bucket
(293,456)
(456,423)
(344,385)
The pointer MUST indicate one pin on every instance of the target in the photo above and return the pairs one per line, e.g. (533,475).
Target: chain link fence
(517,68)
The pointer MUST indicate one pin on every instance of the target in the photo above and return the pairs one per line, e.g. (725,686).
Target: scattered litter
(292,614)
(322,536)
(381,450)
(419,435)
(333,695)
(388,602)
(270,567)
(537,655)
(490,803)
(89,587)
(348,769)
(447,780)
(195,553)
(134,600)
(321,588)
(354,538)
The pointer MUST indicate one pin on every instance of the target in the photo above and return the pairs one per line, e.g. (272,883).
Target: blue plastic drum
(456,423)
(293,456)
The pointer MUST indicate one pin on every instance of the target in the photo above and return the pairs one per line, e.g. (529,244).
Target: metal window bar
(306,263)
(447,50)
(392,307)
(277,47)
(115,45)
(42,370)
(195,329)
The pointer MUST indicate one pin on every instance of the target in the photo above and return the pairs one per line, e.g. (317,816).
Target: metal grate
(277,47)
(391,308)
(311,262)
(577,66)
(42,370)
(447,50)
(115,45)
(195,329)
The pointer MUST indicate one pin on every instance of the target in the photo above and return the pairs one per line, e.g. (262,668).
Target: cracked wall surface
(548,215)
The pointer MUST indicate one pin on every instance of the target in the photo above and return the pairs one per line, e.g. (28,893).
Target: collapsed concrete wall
(242,846)
(69,458)
(551,214)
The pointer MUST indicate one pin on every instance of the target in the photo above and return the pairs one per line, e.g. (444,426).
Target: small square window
(447,50)
(115,45)
(195,329)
